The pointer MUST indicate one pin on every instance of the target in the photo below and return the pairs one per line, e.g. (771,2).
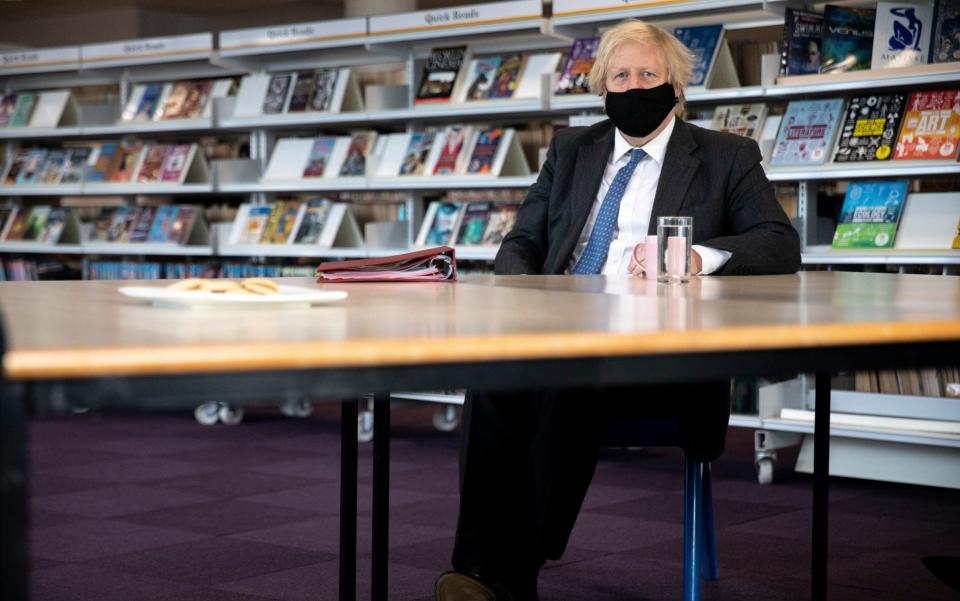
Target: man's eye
(621,75)
(649,74)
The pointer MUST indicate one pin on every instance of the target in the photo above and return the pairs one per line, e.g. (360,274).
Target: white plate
(287,297)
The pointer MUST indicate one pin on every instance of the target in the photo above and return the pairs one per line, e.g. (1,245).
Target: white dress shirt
(636,207)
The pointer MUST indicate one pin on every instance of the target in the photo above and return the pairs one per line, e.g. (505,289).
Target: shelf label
(67,57)
(173,47)
(460,16)
(296,33)
(566,8)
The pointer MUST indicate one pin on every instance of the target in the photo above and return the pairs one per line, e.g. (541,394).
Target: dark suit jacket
(714,177)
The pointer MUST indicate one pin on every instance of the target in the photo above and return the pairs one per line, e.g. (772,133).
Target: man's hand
(638,266)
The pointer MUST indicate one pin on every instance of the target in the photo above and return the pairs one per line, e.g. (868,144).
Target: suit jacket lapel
(675,176)
(589,167)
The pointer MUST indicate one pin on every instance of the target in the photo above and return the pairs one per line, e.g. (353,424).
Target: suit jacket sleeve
(761,238)
(524,249)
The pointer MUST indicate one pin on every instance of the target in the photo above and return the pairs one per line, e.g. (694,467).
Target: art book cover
(32,166)
(122,219)
(173,104)
(500,221)
(162,223)
(73,165)
(444,220)
(16,166)
(473,223)
(806,132)
(702,41)
(847,38)
(945,45)
(255,223)
(197,97)
(174,162)
(56,221)
(507,77)
(870,213)
(285,222)
(741,119)
(276,210)
(356,162)
(53,167)
(319,157)
(152,166)
(36,223)
(452,145)
(101,225)
(902,34)
(575,76)
(931,126)
(183,224)
(276,97)
(140,231)
(107,158)
(482,74)
(23,109)
(314,218)
(303,90)
(324,84)
(870,128)
(481,161)
(147,109)
(417,151)
(440,73)
(802,39)
(8,104)
(128,155)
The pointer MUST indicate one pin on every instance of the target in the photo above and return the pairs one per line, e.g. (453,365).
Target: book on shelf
(183,224)
(575,76)
(23,109)
(103,161)
(74,164)
(741,119)
(303,89)
(14,167)
(278,89)
(847,38)
(163,223)
(36,223)
(355,163)
(312,221)
(195,103)
(484,151)
(176,161)
(151,167)
(415,156)
(18,224)
(703,41)
(276,210)
(439,223)
(500,220)
(101,225)
(806,132)
(870,214)
(451,156)
(118,231)
(440,74)
(901,35)
(319,158)
(928,221)
(143,102)
(802,41)
(140,230)
(870,127)
(481,73)
(931,126)
(7,215)
(32,166)
(945,46)
(473,223)
(325,95)
(56,225)
(8,104)
(128,160)
(535,67)
(249,224)
(52,169)
(507,77)
(174,100)
(288,217)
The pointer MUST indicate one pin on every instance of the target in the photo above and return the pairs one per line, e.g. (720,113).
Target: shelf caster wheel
(446,418)
(365,426)
(299,409)
(229,415)
(765,471)
(207,414)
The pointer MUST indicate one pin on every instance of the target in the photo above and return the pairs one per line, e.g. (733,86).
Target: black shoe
(457,586)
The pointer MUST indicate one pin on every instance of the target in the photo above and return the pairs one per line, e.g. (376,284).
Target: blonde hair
(678,58)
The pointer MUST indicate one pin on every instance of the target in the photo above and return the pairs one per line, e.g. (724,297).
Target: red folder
(428,265)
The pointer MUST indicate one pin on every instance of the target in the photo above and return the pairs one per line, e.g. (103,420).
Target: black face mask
(638,112)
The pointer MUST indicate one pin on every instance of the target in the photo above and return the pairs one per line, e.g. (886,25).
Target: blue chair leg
(692,518)
(708,532)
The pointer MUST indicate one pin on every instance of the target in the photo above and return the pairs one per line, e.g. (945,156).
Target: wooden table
(82,342)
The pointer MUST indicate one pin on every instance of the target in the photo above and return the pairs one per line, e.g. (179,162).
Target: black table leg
(14,567)
(381,494)
(348,499)
(821,475)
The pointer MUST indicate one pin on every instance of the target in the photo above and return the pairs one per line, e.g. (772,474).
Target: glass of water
(674,237)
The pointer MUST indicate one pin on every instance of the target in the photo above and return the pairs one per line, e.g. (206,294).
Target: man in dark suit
(527,459)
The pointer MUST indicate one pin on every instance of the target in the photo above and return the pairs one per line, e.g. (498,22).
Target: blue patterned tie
(594,256)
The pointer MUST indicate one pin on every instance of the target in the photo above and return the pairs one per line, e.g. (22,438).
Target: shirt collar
(655,148)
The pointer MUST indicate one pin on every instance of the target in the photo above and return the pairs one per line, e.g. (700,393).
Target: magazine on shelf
(741,119)
(931,126)
(945,45)
(847,38)
(277,91)
(427,265)
(575,77)
(440,74)
(802,41)
(901,36)
(870,128)
(928,221)
(807,132)
(439,223)
(870,213)
(703,41)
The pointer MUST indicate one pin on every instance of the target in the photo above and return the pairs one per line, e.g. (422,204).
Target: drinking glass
(674,236)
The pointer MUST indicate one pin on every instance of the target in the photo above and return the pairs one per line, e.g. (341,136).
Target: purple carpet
(135,507)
